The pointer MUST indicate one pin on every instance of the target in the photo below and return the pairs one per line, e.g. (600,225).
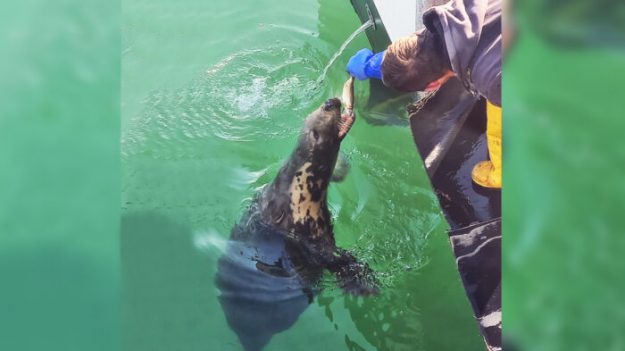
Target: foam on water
(237,99)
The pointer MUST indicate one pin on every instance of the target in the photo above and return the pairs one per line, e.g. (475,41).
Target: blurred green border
(59,175)
(564,167)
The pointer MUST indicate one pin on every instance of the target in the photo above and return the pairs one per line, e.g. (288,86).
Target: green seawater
(213,94)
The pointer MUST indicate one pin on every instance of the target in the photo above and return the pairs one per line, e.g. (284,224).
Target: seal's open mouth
(347,117)
(347,120)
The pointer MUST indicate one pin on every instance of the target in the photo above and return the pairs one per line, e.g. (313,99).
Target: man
(461,39)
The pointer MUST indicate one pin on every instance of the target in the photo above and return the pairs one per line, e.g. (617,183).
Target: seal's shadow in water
(263,287)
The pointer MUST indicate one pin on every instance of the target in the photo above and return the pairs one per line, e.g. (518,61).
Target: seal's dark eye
(315,135)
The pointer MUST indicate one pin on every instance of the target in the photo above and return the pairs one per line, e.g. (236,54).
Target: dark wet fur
(281,246)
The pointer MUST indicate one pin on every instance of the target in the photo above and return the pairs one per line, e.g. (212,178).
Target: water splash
(336,55)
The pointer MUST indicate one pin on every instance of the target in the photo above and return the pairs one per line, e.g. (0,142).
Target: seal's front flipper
(352,276)
(340,169)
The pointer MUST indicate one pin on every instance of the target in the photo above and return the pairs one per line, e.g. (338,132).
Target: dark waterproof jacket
(472,33)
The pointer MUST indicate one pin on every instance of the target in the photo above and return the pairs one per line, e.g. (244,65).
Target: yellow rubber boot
(488,173)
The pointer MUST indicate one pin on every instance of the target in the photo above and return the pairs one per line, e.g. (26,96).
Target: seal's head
(321,128)
(321,136)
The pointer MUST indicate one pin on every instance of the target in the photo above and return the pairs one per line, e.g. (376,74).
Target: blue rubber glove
(365,64)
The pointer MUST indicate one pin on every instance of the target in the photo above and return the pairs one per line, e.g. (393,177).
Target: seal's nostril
(330,104)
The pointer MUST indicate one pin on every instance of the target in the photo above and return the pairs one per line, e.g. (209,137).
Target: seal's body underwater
(283,243)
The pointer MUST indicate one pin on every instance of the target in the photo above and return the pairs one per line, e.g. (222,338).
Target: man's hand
(365,64)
